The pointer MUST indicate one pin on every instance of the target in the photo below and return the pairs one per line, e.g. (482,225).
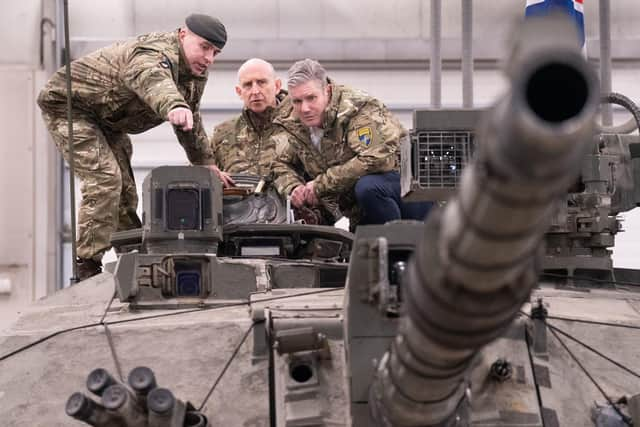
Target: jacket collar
(331,112)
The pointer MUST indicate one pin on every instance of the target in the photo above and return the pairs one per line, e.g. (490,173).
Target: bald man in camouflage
(345,142)
(242,145)
(128,88)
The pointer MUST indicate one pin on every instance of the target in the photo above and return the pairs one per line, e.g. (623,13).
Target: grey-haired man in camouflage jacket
(122,89)
(339,148)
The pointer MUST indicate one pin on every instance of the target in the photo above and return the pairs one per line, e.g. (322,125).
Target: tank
(221,311)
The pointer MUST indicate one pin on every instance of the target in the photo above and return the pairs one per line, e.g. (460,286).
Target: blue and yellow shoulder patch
(364,135)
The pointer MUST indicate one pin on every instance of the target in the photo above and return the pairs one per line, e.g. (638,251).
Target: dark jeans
(378,197)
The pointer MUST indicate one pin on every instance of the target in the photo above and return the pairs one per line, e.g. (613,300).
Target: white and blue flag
(574,8)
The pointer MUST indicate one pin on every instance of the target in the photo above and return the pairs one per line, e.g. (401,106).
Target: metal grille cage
(442,143)
(441,156)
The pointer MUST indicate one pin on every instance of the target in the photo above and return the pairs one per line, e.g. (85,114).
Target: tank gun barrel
(478,259)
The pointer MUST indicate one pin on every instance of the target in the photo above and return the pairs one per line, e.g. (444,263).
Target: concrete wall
(19,32)
(17,190)
(357,30)
(27,162)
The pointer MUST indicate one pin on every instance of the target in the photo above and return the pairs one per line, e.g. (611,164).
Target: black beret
(207,27)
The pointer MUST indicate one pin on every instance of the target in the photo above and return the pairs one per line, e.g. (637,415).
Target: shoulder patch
(364,135)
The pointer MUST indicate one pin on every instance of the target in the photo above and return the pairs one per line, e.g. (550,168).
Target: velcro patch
(364,135)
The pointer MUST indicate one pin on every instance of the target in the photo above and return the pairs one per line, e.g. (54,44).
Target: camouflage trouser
(102,161)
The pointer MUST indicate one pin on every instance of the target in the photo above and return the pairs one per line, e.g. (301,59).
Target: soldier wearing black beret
(209,28)
(123,89)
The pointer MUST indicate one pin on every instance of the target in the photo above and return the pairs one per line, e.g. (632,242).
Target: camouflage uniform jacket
(131,87)
(243,144)
(361,137)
